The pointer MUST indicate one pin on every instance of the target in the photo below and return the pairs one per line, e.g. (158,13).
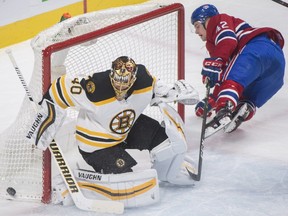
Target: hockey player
(110,120)
(246,66)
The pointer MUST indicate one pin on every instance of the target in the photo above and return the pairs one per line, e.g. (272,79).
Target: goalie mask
(123,75)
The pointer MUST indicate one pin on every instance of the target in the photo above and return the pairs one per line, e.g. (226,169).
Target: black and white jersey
(103,121)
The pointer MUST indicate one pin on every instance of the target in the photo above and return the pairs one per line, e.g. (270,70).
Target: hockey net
(151,34)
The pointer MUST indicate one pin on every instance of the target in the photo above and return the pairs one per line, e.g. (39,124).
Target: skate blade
(230,127)
(212,130)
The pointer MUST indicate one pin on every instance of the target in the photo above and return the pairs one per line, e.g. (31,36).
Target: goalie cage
(152,34)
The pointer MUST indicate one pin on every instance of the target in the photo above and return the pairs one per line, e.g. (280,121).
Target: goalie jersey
(103,121)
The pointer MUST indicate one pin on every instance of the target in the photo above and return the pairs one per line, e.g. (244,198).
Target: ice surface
(244,173)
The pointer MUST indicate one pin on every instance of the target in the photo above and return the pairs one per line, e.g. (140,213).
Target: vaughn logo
(90,176)
(34,126)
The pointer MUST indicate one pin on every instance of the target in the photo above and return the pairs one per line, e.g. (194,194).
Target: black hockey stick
(281,2)
(103,206)
(197,176)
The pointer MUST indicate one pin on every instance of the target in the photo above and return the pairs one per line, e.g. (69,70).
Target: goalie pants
(145,134)
(259,67)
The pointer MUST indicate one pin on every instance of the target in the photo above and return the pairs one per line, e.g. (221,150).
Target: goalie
(110,120)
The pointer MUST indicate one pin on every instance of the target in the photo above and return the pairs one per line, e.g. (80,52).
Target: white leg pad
(170,164)
(173,170)
(168,157)
(133,189)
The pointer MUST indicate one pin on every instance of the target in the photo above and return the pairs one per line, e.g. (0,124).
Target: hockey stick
(281,2)
(197,176)
(103,206)
(20,76)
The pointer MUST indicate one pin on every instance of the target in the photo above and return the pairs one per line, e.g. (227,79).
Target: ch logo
(123,121)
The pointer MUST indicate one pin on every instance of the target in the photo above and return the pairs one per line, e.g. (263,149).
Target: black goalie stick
(197,176)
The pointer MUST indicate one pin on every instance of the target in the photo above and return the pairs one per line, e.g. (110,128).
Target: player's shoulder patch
(90,87)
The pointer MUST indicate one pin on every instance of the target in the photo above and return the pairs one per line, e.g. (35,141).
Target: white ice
(243,173)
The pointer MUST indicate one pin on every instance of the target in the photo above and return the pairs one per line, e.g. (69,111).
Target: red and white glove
(199,108)
(212,70)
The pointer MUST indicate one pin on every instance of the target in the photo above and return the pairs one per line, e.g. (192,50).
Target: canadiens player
(246,66)
(110,122)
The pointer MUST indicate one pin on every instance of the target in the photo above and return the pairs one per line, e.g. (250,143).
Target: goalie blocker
(47,122)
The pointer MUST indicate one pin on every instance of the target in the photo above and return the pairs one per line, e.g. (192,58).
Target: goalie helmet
(123,75)
(203,12)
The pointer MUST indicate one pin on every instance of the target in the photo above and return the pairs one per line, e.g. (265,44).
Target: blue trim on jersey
(242,27)
(229,93)
(225,35)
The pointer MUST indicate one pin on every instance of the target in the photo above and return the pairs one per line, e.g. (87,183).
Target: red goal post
(151,34)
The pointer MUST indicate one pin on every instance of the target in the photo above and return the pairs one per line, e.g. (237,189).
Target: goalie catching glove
(47,122)
(180,91)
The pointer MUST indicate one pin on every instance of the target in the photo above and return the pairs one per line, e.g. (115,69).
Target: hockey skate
(220,121)
(241,113)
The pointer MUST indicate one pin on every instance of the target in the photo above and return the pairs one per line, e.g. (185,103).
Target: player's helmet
(123,75)
(203,12)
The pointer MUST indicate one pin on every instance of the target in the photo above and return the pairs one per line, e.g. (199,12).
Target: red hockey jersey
(226,35)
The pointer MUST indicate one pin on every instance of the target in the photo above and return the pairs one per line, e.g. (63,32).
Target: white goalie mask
(123,75)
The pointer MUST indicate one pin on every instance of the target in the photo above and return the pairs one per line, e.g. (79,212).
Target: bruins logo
(123,121)
(90,86)
(120,163)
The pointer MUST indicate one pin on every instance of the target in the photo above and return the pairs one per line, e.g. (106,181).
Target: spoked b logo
(123,121)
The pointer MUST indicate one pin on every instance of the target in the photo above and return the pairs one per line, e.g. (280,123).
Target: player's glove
(212,69)
(199,108)
(181,91)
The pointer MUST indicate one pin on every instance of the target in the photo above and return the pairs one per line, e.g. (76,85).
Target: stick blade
(195,177)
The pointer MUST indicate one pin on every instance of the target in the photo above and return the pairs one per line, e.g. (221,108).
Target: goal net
(151,34)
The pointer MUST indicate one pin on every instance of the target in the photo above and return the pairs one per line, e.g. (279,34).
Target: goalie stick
(197,176)
(20,76)
(103,206)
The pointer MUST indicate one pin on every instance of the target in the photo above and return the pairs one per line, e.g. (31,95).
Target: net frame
(49,50)
(101,32)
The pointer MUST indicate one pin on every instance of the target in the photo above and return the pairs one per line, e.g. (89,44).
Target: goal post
(150,33)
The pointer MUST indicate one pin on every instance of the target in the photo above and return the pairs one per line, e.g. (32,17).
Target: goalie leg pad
(171,166)
(168,157)
(133,189)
